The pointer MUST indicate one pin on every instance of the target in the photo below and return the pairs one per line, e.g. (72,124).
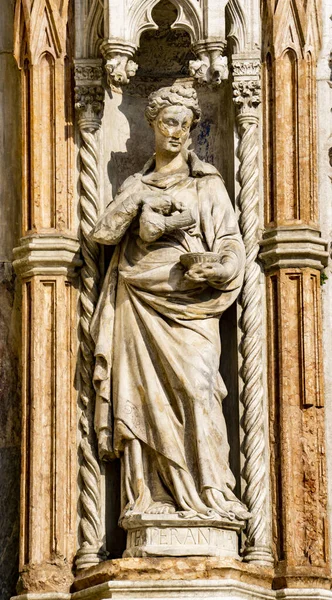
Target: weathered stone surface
(161,569)
(54,575)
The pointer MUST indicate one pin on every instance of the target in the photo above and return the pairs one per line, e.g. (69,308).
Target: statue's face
(172,128)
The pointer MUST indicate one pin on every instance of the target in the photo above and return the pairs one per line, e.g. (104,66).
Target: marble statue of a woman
(156,326)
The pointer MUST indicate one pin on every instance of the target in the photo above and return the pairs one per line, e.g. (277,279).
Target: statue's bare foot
(232,509)
(161,508)
(239,510)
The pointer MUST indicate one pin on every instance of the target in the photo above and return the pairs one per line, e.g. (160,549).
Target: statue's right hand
(105,448)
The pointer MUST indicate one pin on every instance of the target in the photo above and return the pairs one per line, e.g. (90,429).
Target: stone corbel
(210,66)
(119,66)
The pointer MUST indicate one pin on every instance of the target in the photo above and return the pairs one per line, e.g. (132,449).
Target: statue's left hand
(212,273)
(160,203)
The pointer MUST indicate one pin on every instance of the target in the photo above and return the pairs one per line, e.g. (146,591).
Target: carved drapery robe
(159,390)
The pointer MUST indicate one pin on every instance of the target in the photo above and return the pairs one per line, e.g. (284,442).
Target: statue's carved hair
(172,96)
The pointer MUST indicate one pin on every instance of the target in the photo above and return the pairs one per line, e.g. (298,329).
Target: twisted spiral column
(89,106)
(258,543)
(89,471)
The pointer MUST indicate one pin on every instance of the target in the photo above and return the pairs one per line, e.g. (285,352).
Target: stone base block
(225,589)
(172,535)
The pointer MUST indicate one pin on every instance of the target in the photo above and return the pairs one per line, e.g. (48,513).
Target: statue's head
(172,112)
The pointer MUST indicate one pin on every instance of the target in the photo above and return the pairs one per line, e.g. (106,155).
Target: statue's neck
(168,163)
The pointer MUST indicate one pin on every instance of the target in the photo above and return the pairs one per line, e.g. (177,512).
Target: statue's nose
(176,132)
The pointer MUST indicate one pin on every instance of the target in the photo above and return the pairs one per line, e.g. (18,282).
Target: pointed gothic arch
(22,32)
(94,28)
(237,26)
(189,18)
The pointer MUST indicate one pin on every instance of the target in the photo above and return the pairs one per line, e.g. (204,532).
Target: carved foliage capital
(89,92)
(247,95)
(89,99)
(246,84)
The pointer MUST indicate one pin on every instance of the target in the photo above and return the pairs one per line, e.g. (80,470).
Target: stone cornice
(47,254)
(293,247)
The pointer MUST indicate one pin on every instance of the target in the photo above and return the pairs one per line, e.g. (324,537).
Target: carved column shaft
(297,424)
(293,254)
(46,261)
(89,106)
(246,88)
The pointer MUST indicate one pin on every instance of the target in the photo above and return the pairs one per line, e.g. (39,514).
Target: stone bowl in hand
(189,259)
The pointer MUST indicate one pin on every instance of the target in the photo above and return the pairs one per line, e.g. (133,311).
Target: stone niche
(126,144)
(73,161)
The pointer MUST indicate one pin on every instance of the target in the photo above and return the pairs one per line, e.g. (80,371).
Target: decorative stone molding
(43,596)
(293,247)
(217,589)
(246,88)
(47,254)
(89,106)
(224,588)
(246,67)
(211,66)
(119,64)
(88,71)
